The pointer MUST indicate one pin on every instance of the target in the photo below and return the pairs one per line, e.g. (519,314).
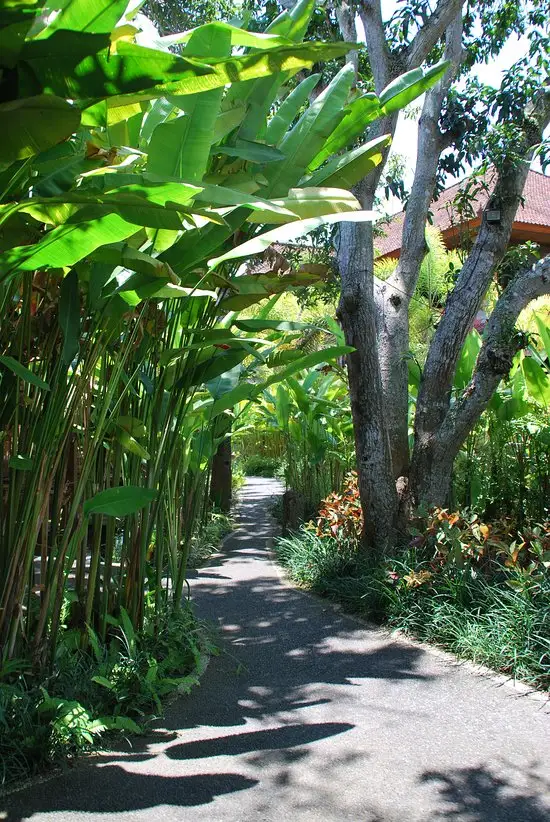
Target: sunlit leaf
(119,501)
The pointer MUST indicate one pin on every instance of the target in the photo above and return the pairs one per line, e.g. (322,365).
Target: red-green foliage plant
(340,515)
(462,540)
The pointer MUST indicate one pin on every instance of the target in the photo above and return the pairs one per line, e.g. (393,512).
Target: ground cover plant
(479,590)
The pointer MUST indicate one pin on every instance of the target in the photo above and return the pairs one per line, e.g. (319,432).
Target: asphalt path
(308,714)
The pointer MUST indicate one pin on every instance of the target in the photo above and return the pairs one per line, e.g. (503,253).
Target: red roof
(534,212)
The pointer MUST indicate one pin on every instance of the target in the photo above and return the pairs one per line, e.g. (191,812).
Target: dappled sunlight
(485,794)
(301,699)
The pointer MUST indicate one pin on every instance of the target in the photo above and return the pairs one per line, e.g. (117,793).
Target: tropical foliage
(138,175)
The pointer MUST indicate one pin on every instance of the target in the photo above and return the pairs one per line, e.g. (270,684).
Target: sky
(405,139)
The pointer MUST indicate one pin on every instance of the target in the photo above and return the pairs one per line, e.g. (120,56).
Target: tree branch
(370,12)
(430,471)
(500,344)
(393,296)
(345,14)
(413,243)
(432,31)
(474,279)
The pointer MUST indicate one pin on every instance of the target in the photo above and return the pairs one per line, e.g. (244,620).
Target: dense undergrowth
(482,592)
(93,696)
(107,690)
(208,537)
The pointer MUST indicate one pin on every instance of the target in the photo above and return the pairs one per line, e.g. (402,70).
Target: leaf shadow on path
(482,795)
(289,666)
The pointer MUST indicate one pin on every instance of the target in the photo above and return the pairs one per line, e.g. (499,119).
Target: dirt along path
(309,715)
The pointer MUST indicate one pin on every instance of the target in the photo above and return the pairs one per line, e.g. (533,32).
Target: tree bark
(357,309)
(463,303)
(375,317)
(357,316)
(393,296)
(221,477)
(500,345)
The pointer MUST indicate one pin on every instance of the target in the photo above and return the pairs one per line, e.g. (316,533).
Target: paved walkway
(311,716)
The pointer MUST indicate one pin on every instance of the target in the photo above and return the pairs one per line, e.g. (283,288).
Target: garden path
(311,715)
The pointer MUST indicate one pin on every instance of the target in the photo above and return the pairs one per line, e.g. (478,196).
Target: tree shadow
(288,736)
(476,794)
(112,789)
(282,653)
(105,785)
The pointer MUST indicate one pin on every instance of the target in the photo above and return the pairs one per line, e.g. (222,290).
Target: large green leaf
(199,77)
(158,112)
(120,501)
(175,142)
(250,290)
(308,362)
(244,391)
(251,151)
(129,443)
(224,382)
(35,124)
(80,66)
(221,196)
(181,147)
(58,168)
(97,16)
(271,325)
(307,137)
(206,34)
(20,11)
(347,169)
(544,331)
(228,120)
(537,380)
(300,17)
(309,202)
(356,118)
(69,316)
(247,391)
(129,205)
(121,254)
(289,232)
(66,245)
(162,191)
(467,360)
(197,245)
(409,86)
(261,95)
(289,108)
(22,372)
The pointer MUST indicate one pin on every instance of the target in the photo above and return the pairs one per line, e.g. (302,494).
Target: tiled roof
(534,211)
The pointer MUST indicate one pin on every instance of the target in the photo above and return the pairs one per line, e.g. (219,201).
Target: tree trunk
(356,313)
(500,345)
(379,386)
(221,478)
(394,296)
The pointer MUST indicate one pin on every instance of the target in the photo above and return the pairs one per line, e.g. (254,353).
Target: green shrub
(208,537)
(112,687)
(482,592)
(260,466)
(314,561)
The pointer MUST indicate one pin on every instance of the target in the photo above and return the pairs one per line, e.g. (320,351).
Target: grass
(500,619)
